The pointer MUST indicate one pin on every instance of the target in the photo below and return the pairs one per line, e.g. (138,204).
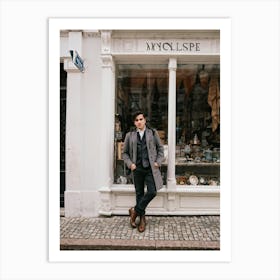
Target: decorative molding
(122,188)
(183,200)
(172,33)
(64,33)
(106,41)
(91,34)
(107,61)
(172,65)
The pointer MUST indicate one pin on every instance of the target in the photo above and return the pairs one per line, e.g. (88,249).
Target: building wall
(89,153)
(84,176)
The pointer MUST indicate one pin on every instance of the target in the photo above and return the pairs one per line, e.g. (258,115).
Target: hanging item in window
(214,102)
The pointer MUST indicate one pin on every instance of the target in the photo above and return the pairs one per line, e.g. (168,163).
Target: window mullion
(171,180)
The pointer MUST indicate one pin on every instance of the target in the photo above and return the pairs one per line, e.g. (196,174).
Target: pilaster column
(108,101)
(171,180)
(73,130)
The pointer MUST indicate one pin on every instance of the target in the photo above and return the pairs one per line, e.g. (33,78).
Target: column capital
(172,65)
(107,61)
(106,41)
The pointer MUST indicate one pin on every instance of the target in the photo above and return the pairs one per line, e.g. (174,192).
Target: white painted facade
(90,118)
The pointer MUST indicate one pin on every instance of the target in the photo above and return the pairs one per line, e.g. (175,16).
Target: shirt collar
(141,132)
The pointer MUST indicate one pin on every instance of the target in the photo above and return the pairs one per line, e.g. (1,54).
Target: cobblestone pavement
(162,232)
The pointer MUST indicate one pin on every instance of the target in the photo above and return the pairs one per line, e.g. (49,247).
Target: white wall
(91,111)
(91,125)
(84,199)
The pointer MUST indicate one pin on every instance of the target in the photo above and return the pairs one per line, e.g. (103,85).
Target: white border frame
(55,25)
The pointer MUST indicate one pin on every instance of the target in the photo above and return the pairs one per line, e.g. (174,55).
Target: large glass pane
(198,125)
(139,87)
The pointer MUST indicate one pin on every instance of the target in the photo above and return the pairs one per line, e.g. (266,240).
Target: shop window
(197,149)
(139,87)
(198,125)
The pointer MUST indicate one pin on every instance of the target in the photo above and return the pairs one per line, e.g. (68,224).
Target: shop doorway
(63,97)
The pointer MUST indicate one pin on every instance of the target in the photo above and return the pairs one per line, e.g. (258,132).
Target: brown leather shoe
(133,216)
(142,224)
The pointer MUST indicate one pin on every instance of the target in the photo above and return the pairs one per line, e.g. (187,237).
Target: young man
(143,154)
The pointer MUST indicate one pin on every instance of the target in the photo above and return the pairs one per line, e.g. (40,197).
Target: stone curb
(103,244)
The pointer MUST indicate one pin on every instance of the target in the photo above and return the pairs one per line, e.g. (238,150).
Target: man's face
(140,122)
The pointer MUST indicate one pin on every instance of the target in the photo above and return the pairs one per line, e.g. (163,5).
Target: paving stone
(200,231)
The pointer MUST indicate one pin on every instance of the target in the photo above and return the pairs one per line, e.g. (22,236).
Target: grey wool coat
(155,152)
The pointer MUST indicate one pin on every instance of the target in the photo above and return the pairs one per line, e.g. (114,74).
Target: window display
(198,125)
(138,87)
(145,87)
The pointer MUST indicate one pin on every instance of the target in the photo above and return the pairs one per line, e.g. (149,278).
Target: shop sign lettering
(173,46)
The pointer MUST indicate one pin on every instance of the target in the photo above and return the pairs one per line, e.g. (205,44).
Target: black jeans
(143,176)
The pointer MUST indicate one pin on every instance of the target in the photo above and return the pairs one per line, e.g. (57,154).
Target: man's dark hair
(137,114)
